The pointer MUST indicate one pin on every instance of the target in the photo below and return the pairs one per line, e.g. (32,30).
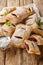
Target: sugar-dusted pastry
(31,19)
(7,10)
(18,15)
(21,33)
(17,42)
(8,29)
(4,12)
(37,39)
(38,31)
(31,47)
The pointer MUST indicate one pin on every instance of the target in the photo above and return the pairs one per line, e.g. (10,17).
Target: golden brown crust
(8,30)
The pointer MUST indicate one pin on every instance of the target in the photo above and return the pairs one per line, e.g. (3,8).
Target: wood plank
(21,2)
(2,4)
(27,2)
(26,61)
(12,2)
(1,57)
(29,59)
(17,3)
(13,58)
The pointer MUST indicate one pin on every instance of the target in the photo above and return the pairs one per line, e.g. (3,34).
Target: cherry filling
(26,46)
(33,39)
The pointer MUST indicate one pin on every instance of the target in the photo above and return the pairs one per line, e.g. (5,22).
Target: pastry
(8,29)
(21,33)
(18,15)
(38,31)
(7,10)
(37,39)
(31,47)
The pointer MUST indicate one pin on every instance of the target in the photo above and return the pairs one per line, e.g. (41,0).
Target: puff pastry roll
(38,31)
(31,47)
(18,15)
(4,12)
(31,19)
(7,10)
(8,29)
(22,32)
(37,39)
(17,42)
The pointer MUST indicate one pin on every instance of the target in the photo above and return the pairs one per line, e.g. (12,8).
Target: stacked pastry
(23,27)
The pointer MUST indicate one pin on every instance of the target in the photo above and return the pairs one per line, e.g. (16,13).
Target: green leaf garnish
(39,23)
(8,23)
(5,13)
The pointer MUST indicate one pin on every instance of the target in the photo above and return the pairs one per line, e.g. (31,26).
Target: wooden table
(20,56)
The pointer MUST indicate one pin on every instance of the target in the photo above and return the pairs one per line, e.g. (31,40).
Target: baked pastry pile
(24,28)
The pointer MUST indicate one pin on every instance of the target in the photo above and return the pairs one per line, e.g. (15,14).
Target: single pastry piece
(37,39)
(18,15)
(7,10)
(17,42)
(31,47)
(30,7)
(8,29)
(22,32)
(38,31)
(4,12)
(31,19)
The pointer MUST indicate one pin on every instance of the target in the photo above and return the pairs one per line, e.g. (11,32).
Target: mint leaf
(39,23)
(5,13)
(8,23)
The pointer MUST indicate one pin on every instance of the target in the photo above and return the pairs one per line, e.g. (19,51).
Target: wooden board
(2,4)
(20,57)
(12,2)
(27,2)
(13,57)
(18,2)
(1,57)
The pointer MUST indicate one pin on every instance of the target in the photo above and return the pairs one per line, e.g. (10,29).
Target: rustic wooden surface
(1,57)
(20,56)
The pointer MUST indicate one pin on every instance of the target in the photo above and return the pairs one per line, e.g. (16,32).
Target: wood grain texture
(29,59)
(12,2)
(2,4)
(1,57)
(27,2)
(20,57)
(21,2)
(12,57)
